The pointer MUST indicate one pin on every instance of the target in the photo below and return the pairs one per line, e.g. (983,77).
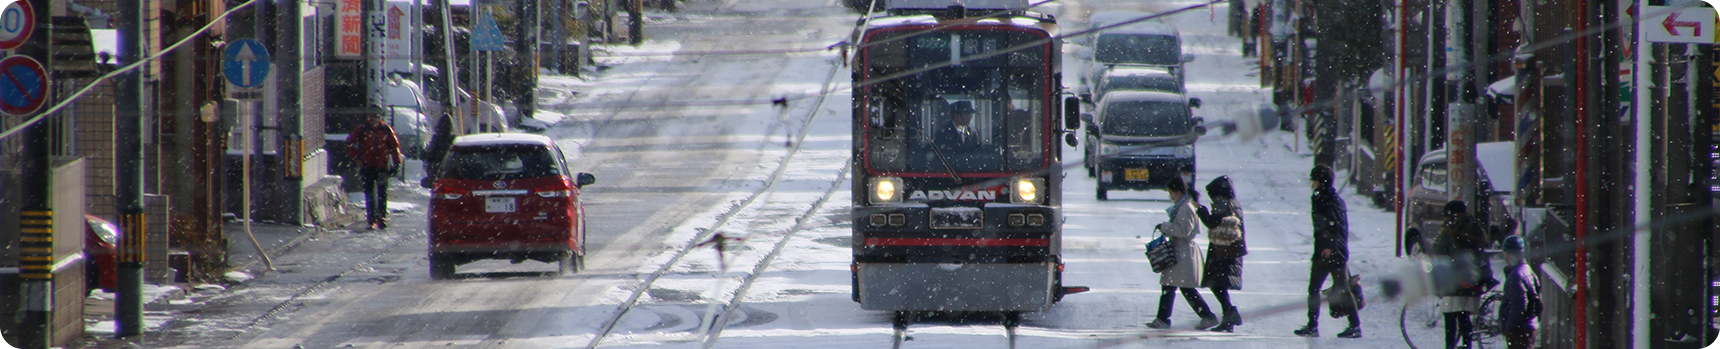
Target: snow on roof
(1146,28)
(1140,96)
(1138,71)
(483,139)
(884,22)
(970,4)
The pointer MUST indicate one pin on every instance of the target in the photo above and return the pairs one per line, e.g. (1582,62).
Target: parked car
(506,196)
(1134,79)
(1144,44)
(412,129)
(100,254)
(1138,140)
(1430,190)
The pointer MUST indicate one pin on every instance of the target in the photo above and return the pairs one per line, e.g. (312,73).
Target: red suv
(506,196)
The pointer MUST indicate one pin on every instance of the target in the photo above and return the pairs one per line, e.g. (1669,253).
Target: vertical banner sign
(396,41)
(17,20)
(349,29)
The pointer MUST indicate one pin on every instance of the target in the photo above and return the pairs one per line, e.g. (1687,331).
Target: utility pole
(1461,119)
(36,220)
(128,172)
(636,22)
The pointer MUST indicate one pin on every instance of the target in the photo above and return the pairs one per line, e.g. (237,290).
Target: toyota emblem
(501,184)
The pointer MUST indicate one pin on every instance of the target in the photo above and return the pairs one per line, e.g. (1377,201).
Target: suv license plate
(499,205)
(1135,174)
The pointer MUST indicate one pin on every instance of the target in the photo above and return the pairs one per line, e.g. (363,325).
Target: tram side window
(1023,128)
(889,133)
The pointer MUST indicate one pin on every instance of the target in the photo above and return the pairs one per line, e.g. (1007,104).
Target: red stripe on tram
(955,242)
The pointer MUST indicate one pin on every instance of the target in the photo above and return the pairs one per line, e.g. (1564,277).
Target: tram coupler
(1075,289)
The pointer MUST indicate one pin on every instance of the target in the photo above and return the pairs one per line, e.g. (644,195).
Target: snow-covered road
(774,180)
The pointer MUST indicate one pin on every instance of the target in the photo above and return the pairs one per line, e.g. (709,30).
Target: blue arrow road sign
(487,37)
(245,63)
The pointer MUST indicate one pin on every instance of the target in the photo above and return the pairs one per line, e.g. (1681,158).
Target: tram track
(706,234)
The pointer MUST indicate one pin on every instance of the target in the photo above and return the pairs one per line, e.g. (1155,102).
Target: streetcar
(958,189)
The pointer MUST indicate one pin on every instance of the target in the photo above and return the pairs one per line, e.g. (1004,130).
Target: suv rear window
(491,163)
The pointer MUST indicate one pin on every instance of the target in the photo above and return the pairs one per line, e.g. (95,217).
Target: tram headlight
(1028,190)
(886,190)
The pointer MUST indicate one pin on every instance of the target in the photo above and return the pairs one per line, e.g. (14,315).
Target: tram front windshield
(986,114)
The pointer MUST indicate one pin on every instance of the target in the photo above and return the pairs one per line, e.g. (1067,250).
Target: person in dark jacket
(1459,245)
(1226,244)
(1519,313)
(377,150)
(440,141)
(1331,250)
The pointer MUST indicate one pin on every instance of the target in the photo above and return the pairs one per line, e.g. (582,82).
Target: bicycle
(1485,329)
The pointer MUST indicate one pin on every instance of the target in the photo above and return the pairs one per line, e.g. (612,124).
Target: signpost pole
(36,230)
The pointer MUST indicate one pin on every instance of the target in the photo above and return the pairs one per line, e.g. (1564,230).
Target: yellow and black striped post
(128,309)
(36,260)
(131,239)
(36,269)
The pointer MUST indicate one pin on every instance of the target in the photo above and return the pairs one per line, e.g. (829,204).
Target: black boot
(1232,318)
(1311,330)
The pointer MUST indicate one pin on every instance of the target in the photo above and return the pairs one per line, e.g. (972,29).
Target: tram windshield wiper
(946,162)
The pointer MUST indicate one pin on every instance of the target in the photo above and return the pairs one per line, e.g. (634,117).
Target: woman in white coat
(1185,275)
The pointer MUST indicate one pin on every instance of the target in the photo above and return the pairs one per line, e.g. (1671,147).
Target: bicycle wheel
(1422,323)
(1487,327)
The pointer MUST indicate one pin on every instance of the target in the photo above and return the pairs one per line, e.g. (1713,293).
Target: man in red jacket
(377,150)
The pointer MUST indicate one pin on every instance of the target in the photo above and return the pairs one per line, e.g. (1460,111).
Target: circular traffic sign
(17,20)
(23,85)
(245,63)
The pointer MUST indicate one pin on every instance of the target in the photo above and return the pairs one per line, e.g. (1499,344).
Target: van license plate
(1135,174)
(499,205)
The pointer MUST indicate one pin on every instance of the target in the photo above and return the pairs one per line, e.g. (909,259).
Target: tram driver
(960,134)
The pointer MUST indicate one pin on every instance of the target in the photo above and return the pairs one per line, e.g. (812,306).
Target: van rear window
(491,163)
(1138,49)
(1145,119)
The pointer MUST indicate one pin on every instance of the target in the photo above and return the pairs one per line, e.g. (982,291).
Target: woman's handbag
(1161,254)
(1345,296)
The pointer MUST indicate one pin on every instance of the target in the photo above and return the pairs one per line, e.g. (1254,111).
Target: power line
(74,97)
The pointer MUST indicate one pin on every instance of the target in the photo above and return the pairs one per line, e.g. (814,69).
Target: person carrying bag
(1184,274)
(1226,244)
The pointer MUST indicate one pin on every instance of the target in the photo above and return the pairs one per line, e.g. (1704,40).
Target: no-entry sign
(23,85)
(17,20)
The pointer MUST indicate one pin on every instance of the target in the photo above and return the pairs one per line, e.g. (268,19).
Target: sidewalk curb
(305,234)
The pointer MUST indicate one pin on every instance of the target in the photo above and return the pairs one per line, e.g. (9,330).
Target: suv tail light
(558,190)
(449,193)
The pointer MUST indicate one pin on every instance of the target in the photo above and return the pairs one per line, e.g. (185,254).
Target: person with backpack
(1226,244)
(1185,274)
(1331,251)
(1519,313)
(1459,243)
(377,150)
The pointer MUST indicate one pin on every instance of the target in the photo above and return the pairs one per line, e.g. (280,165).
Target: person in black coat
(958,135)
(1226,244)
(1331,250)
